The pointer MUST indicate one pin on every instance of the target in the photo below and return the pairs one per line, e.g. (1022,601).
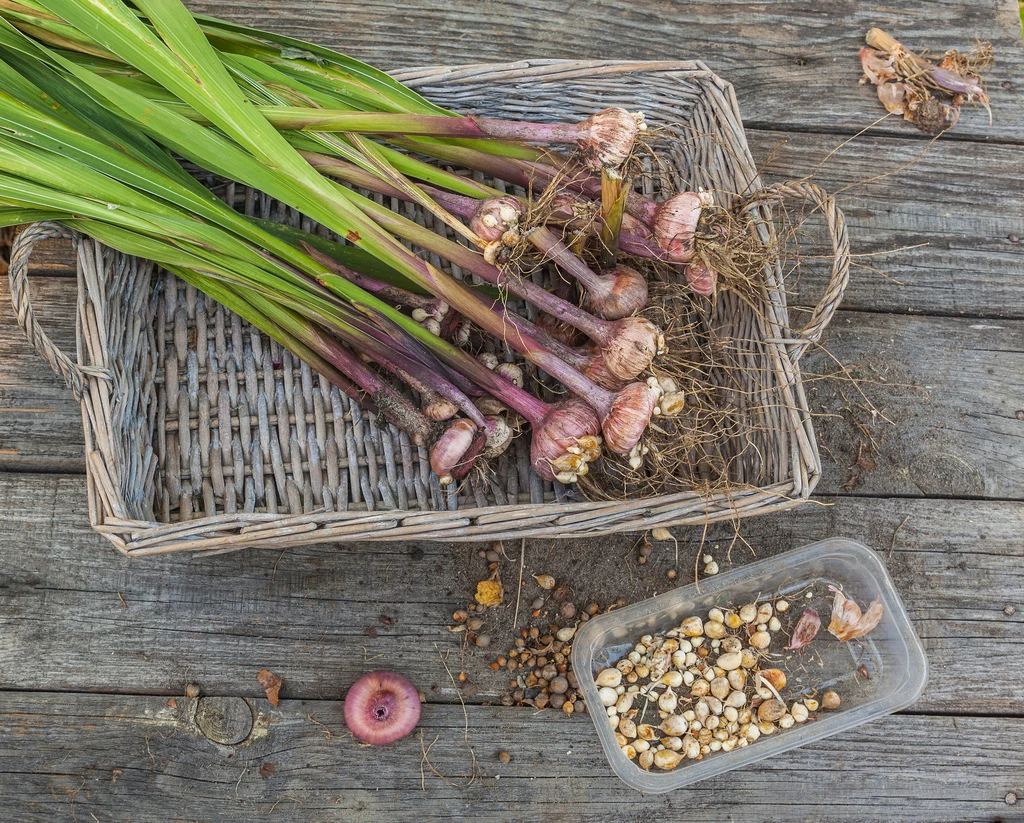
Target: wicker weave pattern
(203,435)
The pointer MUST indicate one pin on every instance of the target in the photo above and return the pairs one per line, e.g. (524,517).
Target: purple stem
(463,207)
(509,327)
(413,373)
(595,328)
(546,240)
(532,408)
(519,335)
(640,246)
(387,334)
(531,174)
(392,404)
(574,357)
(395,295)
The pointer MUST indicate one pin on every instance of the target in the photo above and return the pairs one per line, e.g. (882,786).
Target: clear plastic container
(876,675)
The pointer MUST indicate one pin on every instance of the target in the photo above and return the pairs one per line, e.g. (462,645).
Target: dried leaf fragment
(877,66)
(489,592)
(893,97)
(806,628)
(848,623)
(271,684)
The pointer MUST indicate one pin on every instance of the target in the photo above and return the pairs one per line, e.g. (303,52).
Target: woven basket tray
(202,435)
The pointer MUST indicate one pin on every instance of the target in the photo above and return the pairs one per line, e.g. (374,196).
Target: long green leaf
(300,55)
(17,216)
(179,188)
(188,66)
(354,258)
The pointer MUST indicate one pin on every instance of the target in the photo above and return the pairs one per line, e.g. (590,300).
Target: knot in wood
(225,720)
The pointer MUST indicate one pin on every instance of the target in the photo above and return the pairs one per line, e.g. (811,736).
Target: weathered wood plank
(316,615)
(934,234)
(950,392)
(109,758)
(51,258)
(794,65)
(950,386)
(40,422)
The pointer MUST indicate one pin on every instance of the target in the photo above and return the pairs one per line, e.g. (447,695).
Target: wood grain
(109,758)
(794,64)
(321,616)
(930,225)
(40,422)
(946,401)
(75,616)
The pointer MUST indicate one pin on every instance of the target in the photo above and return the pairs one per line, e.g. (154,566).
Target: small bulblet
(496,216)
(565,440)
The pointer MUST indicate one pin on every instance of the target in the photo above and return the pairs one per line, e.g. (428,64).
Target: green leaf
(323,62)
(354,258)
(187,65)
(14,216)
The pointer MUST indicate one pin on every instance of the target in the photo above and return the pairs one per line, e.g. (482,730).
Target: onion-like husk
(675,224)
(381,707)
(847,621)
(511,372)
(893,96)
(700,278)
(452,449)
(566,440)
(805,631)
(496,216)
(610,136)
(634,343)
(877,65)
(559,330)
(629,416)
(490,406)
(440,408)
(596,369)
(625,294)
(498,436)
(571,212)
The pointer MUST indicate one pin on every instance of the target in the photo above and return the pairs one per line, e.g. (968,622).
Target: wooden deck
(96,651)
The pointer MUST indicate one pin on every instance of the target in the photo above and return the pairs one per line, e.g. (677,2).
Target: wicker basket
(232,443)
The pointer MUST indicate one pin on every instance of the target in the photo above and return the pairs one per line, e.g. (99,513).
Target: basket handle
(840,277)
(74,374)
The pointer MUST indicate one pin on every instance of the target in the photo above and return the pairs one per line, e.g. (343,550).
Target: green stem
(613,204)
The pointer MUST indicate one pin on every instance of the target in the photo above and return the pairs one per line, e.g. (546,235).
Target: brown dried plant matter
(271,684)
(848,622)
(927,94)
(722,432)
